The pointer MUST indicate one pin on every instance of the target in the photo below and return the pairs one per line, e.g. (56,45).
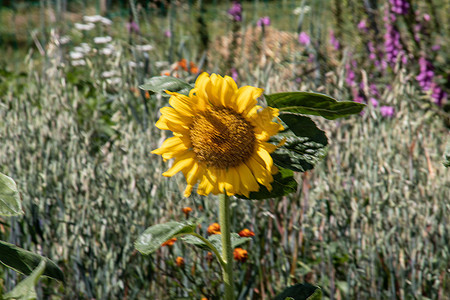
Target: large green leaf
(305,144)
(304,291)
(313,104)
(25,290)
(154,236)
(9,197)
(216,241)
(283,184)
(25,261)
(160,84)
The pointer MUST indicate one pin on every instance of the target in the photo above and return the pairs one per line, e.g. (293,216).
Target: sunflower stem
(227,251)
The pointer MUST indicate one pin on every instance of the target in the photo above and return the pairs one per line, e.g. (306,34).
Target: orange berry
(180,261)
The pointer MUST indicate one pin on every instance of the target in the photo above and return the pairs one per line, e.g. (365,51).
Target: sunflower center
(222,138)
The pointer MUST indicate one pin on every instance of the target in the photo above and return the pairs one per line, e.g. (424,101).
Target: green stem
(213,249)
(227,251)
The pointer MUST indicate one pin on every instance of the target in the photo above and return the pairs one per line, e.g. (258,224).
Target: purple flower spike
(304,39)
(236,11)
(132,27)
(264,21)
(399,7)
(387,111)
(333,41)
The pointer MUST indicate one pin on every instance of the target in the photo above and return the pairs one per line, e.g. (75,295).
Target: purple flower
(132,27)
(236,11)
(399,7)
(438,95)
(264,21)
(425,77)
(392,44)
(234,74)
(362,25)
(436,47)
(387,111)
(168,33)
(304,39)
(333,41)
(374,102)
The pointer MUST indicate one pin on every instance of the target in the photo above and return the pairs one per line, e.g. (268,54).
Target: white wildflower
(114,81)
(299,10)
(106,21)
(76,55)
(102,39)
(79,62)
(85,27)
(144,47)
(108,74)
(64,40)
(92,19)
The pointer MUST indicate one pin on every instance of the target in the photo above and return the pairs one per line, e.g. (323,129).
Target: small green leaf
(304,291)
(9,197)
(305,144)
(216,241)
(160,84)
(446,161)
(283,184)
(25,289)
(25,261)
(154,236)
(313,104)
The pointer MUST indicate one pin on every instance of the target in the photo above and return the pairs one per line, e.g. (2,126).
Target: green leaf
(304,147)
(154,236)
(25,289)
(313,104)
(283,184)
(25,261)
(160,84)
(216,241)
(446,161)
(304,291)
(9,197)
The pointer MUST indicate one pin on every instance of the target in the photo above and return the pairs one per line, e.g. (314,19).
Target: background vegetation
(369,222)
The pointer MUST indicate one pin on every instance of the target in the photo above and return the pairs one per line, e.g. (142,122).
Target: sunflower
(220,137)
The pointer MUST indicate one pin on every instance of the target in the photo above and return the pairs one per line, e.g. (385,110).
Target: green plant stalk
(227,251)
(213,249)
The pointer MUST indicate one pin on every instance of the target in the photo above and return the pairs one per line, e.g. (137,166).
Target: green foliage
(152,238)
(283,184)
(25,289)
(9,197)
(305,144)
(313,104)
(446,161)
(25,261)
(304,291)
(215,241)
(160,84)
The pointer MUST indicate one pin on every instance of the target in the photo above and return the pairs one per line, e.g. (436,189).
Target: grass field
(370,221)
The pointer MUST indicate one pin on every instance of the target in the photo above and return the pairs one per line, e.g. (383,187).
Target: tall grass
(369,222)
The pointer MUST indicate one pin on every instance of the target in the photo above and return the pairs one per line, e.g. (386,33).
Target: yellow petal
(264,126)
(264,155)
(172,120)
(248,181)
(182,104)
(262,175)
(246,99)
(173,146)
(185,161)
(224,90)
